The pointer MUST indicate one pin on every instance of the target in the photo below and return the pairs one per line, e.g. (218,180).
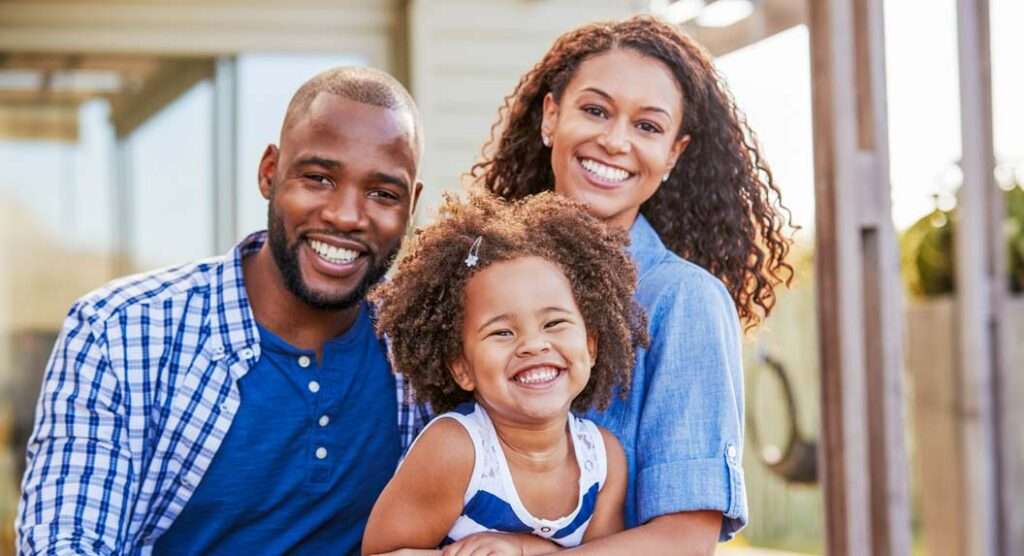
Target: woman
(631,118)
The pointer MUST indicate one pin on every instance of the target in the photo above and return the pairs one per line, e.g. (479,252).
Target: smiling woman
(632,118)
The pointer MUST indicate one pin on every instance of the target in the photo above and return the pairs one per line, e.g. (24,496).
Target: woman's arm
(424,498)
(679,534)
(607,517)
(689,487)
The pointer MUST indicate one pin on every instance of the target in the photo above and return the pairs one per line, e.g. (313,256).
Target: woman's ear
(460,372)
(549,120)
(678,148)
(592,348)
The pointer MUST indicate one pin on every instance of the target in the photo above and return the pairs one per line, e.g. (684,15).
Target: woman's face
(613,134)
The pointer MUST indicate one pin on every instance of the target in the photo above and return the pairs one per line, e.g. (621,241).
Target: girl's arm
(608,512)
(424,498)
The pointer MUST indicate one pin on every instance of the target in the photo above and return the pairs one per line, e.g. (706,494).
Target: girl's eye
(502,333)
(554,323)
(648,127)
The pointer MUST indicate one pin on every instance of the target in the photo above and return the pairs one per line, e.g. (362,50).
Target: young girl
(507,316)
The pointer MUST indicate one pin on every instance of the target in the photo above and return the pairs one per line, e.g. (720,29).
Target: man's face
(341,188)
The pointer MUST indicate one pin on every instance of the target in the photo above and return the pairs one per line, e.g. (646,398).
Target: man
(242,404)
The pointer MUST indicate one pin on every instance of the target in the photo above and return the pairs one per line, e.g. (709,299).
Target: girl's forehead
(524,283)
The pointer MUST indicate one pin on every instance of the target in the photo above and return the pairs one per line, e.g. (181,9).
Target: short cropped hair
(422,308)
(361,84)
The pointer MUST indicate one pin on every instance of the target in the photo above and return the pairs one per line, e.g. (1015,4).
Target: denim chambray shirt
(682,422)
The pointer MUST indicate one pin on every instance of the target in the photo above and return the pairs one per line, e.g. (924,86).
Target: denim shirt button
(730,451)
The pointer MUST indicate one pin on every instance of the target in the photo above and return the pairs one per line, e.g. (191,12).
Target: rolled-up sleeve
(690,432)
(79,474)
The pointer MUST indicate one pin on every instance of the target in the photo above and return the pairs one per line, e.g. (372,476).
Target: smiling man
(242,404)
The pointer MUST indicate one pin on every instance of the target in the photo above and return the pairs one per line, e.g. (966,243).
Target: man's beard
(286,257)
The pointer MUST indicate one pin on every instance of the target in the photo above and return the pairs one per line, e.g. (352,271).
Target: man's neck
(277,309)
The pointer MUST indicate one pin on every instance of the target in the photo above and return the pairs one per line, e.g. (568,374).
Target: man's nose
(345,210)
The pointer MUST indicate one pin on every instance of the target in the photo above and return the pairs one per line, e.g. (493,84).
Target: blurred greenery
(927,250)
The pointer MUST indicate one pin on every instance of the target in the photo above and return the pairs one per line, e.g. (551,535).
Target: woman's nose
(615,138)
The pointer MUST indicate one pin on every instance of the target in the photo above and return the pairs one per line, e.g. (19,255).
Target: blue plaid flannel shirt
(139,392)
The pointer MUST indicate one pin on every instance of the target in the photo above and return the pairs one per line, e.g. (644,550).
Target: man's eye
(384,194)
(318,178)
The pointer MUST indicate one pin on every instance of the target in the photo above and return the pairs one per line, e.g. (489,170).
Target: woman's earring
(666,176)
(544,138)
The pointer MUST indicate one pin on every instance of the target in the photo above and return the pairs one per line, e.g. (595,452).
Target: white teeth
(604,171)
(537,375)
(333,254)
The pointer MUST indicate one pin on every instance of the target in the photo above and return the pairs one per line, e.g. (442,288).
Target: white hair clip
(473,257)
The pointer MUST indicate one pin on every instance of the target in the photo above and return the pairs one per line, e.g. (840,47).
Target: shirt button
(321,452)
(545,529)
(246,353)
(304,361)
(314,386)
(731,451)
(324,420)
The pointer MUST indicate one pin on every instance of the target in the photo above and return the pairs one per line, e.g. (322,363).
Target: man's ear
(265,172)
(416,191)
(461,374)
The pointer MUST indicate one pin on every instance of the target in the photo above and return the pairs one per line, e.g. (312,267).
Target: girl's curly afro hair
(421,308)
(719,207)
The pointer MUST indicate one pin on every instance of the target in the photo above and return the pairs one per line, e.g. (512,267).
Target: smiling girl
(632,118)
(508,317)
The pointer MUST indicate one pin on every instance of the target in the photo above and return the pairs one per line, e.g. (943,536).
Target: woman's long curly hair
(719,208)
(421,309)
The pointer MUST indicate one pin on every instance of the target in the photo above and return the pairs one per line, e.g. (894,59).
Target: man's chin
(332,300)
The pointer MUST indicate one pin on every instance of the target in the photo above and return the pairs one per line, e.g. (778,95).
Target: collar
(232,325)
(645,246)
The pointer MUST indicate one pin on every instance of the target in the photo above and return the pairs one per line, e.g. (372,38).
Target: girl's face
(613,134)
(526,352)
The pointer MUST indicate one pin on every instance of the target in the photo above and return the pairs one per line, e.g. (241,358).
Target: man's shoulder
(151,288)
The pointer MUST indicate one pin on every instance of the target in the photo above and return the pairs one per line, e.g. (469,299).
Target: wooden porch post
(987,441)
(859,300)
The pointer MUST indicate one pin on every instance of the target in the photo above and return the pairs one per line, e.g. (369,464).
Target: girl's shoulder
(448,440)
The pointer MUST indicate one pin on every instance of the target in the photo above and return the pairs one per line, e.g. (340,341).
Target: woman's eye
(594,110)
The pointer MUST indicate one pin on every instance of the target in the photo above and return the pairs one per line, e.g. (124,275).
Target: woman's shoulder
(678,284)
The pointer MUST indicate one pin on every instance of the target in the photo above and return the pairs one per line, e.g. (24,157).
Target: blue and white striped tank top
(491,502)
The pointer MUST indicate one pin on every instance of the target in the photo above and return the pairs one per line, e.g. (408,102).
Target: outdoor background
(78,209)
